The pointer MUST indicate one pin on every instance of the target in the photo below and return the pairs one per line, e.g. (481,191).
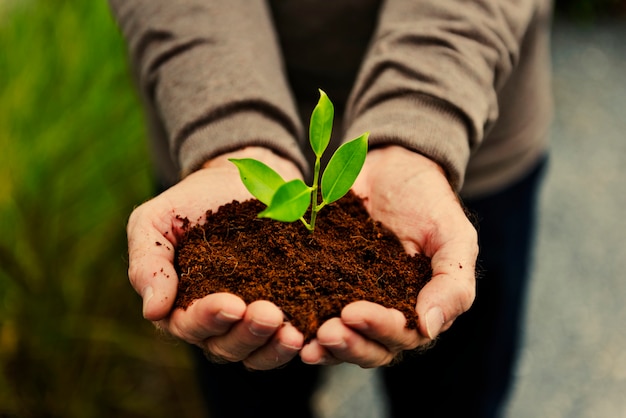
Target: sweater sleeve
(431,76)
(212,72)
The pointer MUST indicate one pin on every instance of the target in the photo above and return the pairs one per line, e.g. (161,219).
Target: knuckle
(177,331)
(184,329)
(379,361)
(267,361)
(218,351)
(133,272)
(134,218)
(466,296)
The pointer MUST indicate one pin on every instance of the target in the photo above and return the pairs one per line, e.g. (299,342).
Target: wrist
(393,155)
(283,166)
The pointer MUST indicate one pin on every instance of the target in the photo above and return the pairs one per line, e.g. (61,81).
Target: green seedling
(288,201)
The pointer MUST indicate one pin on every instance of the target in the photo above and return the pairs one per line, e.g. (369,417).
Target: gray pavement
(573,362)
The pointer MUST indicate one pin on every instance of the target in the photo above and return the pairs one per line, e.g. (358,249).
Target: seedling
(288,201)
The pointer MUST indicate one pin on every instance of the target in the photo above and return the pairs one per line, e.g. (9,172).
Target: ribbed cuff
(246,128)
(420,124)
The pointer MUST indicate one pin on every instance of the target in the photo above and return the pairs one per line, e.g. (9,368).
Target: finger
(150,262)
(384,325)
(451,290)
(261,320)
(210,316)
(283,347)
(315,354)
(347,345)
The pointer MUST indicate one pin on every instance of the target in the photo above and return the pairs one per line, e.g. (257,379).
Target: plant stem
(314,208)
(308,226)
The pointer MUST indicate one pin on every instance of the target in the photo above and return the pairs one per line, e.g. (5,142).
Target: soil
(310,276)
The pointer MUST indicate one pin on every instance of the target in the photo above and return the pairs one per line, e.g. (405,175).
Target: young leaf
(259,179)
(289,203)
(343,168)
(321,125)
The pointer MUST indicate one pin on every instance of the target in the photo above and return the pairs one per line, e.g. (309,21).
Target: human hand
(221,324)
(410,195)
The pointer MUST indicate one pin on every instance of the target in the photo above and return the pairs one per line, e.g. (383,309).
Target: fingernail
(260,329)
(337,345)
(359,325)
(288,348)
(227,317)
(434,322)
(322,361)
(146,296)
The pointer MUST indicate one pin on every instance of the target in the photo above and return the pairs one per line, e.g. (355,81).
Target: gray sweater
(466,83)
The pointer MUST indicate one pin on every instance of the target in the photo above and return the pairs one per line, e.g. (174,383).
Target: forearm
(283,166)
(431,78)
(213,73)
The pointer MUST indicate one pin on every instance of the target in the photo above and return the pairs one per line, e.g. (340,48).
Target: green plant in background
(73,165)
(288,201)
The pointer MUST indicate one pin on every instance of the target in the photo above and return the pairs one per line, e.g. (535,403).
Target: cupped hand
(410,195)
(221,324)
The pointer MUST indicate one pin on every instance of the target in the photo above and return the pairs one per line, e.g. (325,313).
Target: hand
(409,194)
(221,324)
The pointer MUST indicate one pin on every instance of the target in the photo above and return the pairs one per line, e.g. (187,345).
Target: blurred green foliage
(73,163)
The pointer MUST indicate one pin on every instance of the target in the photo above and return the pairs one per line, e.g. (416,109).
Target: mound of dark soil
(310,276)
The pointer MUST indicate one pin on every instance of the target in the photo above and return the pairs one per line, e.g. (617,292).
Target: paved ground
(574,364)
(574,358)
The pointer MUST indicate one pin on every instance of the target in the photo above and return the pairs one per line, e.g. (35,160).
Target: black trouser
(468,372)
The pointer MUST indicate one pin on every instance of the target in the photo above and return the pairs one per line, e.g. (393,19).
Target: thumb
(151,262)
(451,290)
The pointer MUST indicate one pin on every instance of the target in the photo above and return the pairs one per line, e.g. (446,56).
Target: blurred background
(73,164)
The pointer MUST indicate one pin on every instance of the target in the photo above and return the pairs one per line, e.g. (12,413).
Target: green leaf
(321,126)
(290,202)
(343,168)
(259,179)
